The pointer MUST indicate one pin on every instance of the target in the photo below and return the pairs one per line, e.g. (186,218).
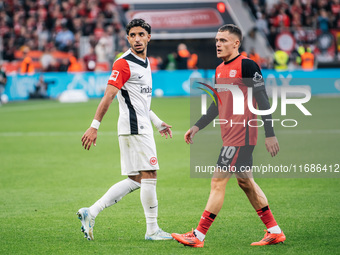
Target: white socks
(275,230)
(113,195)
(200,236)
(148,197)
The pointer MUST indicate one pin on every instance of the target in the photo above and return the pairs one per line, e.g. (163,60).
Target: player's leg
(260,203)
(148,197)
(144,159)
(254,193)
(115,193)
(213,207)
(111,197)
(221,176)
(257,198)
(196,237)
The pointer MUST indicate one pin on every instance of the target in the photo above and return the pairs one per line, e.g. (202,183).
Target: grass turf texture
(46,177)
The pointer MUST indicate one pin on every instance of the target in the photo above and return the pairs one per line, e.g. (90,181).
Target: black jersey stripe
(135,60)
(132,113)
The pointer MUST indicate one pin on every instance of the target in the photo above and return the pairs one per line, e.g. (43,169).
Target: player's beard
(139,51)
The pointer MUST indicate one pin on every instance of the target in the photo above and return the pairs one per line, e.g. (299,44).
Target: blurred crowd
(87,35)
(50,31)
(302,18)
(315,14)
(180,59)
(70,35)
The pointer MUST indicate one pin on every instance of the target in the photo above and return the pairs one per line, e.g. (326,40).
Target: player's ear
(149,37)
(236,44)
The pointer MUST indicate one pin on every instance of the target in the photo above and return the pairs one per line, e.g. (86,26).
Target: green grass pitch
(46,176)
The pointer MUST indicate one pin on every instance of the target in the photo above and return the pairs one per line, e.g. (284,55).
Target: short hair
(232,29)
(138,23)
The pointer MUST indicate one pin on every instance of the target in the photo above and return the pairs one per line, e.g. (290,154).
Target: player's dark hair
(232,29)
(138,23)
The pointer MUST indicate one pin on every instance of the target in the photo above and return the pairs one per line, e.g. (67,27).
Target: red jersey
(243,73)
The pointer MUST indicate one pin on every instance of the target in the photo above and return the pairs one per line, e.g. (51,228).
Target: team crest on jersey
(257,77)
(232,73)
(153,161)
(114,75)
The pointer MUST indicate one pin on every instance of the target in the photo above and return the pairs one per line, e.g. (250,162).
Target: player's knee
(148,174)
(245,184)
(218,184)
(136,178)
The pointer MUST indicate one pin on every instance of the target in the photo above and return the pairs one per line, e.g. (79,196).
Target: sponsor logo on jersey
(258,84)
(153,161)
(257,77)
(114,75)
(147,90)
(232,73)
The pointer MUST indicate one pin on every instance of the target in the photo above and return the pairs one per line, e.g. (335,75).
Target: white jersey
(132,75)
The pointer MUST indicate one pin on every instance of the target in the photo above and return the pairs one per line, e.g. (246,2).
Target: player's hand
(89,138)
(272,145)
(166,131)
(189,135)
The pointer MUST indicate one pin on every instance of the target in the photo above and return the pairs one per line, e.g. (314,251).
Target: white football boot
(87,222)
(159,235)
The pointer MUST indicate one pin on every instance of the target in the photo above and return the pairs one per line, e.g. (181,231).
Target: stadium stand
(61,27)
(290,25)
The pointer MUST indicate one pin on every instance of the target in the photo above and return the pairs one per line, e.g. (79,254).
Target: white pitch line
(26,108)
(114,133)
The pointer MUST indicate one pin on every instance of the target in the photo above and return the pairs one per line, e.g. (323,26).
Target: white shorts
(137,153)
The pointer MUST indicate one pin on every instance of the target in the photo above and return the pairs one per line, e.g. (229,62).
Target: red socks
(267,217)
(206,220)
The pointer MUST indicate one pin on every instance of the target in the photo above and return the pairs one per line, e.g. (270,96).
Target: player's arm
(204,121)
(253,78)
(90,136)
(271,141)
(120,74)
(163,128)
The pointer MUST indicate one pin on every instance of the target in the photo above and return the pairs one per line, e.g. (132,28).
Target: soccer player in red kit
(131,82)
(238,140)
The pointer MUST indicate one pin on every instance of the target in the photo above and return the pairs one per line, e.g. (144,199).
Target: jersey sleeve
(252,75)
(120,73)
(253,78)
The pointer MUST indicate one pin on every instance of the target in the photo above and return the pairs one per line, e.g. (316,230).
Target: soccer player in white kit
(131,81)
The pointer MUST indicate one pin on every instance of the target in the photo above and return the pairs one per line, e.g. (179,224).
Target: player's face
(138,39)
(226,45)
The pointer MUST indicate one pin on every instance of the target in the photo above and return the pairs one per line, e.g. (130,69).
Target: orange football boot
(270,238)
(188,239)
